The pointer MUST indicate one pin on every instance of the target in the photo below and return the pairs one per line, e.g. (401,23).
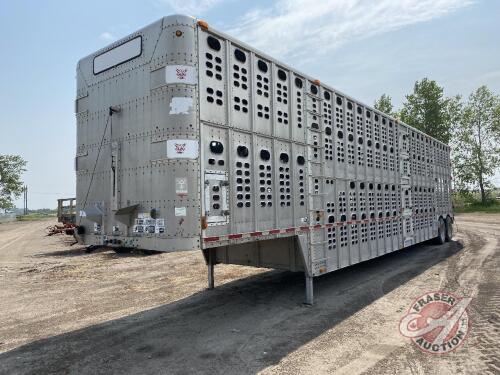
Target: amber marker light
(178,33)
(204,224)
(203,24)
(317,82)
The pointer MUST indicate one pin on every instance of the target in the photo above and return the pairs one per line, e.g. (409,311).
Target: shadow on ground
(241,327)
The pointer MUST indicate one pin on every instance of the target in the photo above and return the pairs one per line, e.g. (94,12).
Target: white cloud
(302,28)
(191,7)
(107,37)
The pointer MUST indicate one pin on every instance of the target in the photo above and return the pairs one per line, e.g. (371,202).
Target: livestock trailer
(190,139)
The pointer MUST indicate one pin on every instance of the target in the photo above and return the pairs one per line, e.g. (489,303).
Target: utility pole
(25,199)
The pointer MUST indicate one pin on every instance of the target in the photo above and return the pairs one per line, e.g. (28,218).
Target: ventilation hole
(340,134)
(242,151)
(314,89)
(360,110)
(328,130)
(281,74)
(284,157)
(350,138)
(339,100)
(362,185)
(352,185)
(265,155)
(240,55)
(368,114)
(298,83)
(360,140)
(300,160)
(262,66)
(213,43)
(326,95)
(349,105)
(216,147)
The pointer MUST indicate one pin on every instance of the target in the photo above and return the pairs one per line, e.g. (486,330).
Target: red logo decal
(180,148)
(437,322)
(181,73)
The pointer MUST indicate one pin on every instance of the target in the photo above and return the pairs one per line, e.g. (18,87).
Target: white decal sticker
(181,186)
(180,105)
(160,226)
(181,74)
(180,211)
(182,149)
(83,214)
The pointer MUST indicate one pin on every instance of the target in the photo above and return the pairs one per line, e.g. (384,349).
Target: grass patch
(35,216)
(491,208)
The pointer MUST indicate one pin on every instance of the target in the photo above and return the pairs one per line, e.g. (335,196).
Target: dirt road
(65,311)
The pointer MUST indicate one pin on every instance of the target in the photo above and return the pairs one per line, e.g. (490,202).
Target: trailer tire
(441,237)
(449,228)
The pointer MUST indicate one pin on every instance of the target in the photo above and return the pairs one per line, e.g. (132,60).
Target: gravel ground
(66,311)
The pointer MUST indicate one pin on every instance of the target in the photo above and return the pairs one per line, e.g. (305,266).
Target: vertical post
(25,196)
(210,266)
(309,290)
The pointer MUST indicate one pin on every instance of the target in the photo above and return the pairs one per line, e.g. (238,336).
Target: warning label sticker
(181,186)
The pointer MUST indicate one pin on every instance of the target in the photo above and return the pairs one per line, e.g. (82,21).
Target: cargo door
(406,193)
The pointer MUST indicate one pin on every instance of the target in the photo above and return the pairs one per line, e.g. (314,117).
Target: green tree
(476,142)
(428,110)
(384,104)
(11,186)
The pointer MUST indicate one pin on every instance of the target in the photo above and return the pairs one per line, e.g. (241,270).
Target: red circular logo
(437,322)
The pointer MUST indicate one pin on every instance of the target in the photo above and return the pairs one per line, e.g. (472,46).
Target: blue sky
(362,47)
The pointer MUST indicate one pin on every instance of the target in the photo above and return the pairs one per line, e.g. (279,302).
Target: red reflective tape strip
(254,234)
(233,236)
(290,230)
(274,231)
(318,226)
(211,239)
(304,228)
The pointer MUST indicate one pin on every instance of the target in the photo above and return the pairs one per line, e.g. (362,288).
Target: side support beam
(309,290)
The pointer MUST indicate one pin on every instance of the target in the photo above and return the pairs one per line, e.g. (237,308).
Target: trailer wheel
(449,228)
(441,237)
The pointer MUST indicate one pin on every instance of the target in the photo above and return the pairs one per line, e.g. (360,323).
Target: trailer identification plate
(182,149)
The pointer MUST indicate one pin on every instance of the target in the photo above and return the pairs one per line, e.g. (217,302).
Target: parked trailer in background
(189,139)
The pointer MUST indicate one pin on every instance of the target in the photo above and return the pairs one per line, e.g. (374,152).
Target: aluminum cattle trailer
(189,139)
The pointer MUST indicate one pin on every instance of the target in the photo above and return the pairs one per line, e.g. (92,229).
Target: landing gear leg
(210,267)
(309,290)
